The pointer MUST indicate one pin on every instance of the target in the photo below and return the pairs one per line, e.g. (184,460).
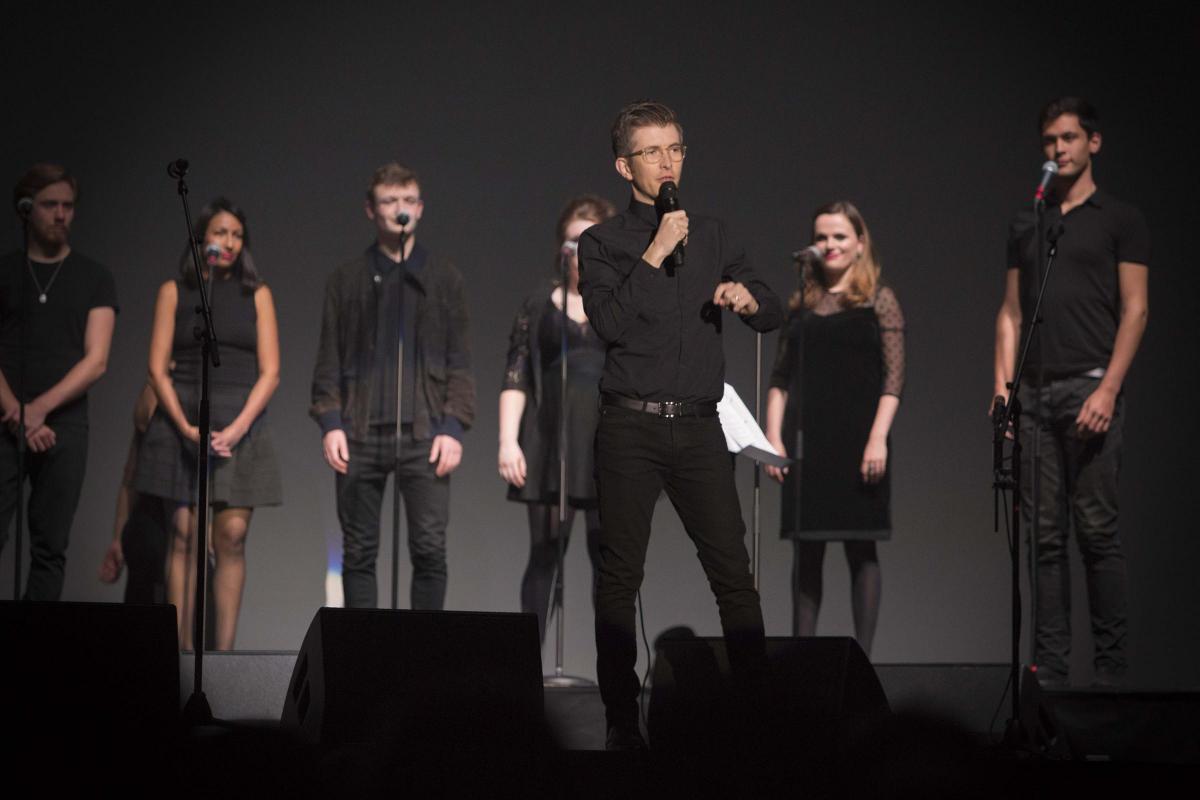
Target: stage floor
(1098,724)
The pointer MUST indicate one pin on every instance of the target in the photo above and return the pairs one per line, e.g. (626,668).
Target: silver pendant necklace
(44,293)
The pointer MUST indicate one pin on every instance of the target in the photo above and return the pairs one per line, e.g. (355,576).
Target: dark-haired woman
(531,406)
(837,381)
(245,473)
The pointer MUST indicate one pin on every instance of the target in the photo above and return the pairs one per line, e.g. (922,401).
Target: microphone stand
(1009,479)
(755,531)
(21,445)
(560,680)
(1039,378)
(197,711)
(400,289)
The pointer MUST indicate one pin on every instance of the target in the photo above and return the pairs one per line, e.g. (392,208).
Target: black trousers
(1078,492)
(56,480)
(427,506)
(638,456)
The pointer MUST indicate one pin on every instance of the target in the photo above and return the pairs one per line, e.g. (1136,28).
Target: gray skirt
(249,478)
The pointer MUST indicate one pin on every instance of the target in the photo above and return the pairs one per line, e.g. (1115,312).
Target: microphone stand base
(558,681)
(197,711)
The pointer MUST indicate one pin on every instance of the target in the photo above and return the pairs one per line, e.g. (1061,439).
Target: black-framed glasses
(654,155)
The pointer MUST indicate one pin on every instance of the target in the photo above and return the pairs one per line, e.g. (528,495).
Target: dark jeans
(427,510)
(538,581)
(1079,489)
(56,479)
(638,456)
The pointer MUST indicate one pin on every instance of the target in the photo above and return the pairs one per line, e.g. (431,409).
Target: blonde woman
(836,387)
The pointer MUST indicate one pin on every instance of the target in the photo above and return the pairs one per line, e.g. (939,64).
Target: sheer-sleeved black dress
(534,366)
(835,362)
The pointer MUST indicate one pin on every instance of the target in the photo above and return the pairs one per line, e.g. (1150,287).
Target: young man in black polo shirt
(663,376)
(1093,316)
(370,302)
(57,313)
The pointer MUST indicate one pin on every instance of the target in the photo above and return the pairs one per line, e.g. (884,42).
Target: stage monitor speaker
(819,694)
(89,675)
(430,679)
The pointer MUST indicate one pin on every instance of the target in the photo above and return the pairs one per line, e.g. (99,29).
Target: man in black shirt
(57,313)
(370,303)
(1093,316)
(663,376)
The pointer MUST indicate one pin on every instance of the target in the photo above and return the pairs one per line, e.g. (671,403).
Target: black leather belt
(667,408)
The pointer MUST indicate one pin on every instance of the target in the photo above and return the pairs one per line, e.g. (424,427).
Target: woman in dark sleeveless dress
(530,408)
(245,472)
(836,388)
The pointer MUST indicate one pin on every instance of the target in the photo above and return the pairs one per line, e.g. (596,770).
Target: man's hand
(336,451)
(446,453)
(41,439)
(113,562)
(512,463)
(35,417)
(736,298)
(1096,414)
(1002,393)
(672,229)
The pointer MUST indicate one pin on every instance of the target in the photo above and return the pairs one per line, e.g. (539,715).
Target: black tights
(538,581)
(866,587)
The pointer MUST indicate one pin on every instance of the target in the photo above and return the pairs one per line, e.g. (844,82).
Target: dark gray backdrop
(924,116)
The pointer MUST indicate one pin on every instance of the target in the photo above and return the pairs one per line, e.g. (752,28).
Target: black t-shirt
(54,335)
(1082,305)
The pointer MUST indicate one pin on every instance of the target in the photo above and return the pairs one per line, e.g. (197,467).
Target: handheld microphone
(570,247)
(1049,170)
(668,200)
(24,207)
(809,255)
(212,254)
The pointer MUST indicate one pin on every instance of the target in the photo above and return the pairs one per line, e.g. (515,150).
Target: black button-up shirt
(662,329)
(1082,306)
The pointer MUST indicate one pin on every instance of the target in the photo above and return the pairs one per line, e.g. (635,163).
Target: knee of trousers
(428,558)
(1095,517)
(359,553)
(1096,545)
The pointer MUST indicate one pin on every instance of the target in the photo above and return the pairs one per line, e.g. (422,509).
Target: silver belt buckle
(669,409)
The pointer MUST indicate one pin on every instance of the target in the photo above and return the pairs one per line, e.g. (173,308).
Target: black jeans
(56,479)
(1079,489)
(426,499)
(638,456)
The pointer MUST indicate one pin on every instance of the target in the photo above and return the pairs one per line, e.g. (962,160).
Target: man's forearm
(1125,346)
(74,384)
(1006,351)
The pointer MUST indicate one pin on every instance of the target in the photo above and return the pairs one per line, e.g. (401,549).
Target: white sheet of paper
(741,431)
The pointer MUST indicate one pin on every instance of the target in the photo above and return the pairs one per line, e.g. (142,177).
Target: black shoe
(624,737)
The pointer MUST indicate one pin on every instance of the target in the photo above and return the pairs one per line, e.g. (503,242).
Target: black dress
(535,367)
(166,464)
(835,363)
